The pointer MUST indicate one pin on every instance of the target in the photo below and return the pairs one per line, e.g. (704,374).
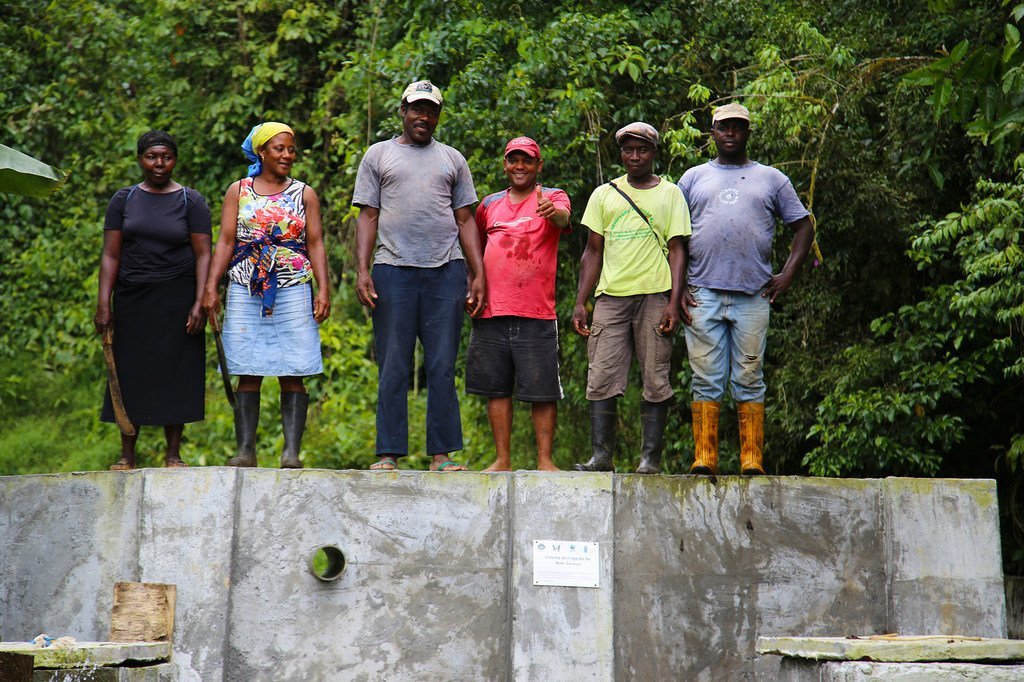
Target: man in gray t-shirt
(734,205)
(415,198)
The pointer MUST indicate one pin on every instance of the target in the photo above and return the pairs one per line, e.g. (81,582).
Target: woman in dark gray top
(156,254)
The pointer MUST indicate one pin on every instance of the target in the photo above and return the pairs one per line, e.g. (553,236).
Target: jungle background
(899,122)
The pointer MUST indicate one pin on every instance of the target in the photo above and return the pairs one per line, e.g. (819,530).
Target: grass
(49,422)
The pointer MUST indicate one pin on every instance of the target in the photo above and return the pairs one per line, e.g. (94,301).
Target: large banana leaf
(21,174)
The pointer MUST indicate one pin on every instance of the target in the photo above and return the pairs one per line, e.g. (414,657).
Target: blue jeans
(427,303)
(726,340)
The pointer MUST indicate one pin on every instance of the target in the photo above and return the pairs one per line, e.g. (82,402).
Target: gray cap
(638,129)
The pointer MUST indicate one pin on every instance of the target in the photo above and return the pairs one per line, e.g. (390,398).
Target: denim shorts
(509,352)
(285,344)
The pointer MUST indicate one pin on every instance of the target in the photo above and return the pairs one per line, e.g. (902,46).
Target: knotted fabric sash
(262,253)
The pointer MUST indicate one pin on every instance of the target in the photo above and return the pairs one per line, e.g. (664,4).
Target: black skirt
(161,367)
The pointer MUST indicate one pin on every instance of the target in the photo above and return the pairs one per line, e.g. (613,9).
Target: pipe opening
(327,563)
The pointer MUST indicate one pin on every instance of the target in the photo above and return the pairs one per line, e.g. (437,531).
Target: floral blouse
(270,242)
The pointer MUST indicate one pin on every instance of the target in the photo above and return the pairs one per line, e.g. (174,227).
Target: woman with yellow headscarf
(271,247)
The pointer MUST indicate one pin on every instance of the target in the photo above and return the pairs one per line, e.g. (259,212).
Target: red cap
(523,144)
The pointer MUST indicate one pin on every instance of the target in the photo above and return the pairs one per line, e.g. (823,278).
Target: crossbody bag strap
(639,213)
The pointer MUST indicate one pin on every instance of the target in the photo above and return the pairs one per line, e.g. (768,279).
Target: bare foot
(175,463)
(123,464)
(498,466)
(546,465)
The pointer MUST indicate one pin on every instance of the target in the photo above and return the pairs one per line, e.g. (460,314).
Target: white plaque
(568,563)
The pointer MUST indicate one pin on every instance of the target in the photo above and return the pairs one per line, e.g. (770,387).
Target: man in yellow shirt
(636,257)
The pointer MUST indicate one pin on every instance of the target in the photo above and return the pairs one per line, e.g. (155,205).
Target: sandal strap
(447,464)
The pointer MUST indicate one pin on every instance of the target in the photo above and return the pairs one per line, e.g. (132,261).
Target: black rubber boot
(293,423)
(652,418)
(247,417)
(602,436)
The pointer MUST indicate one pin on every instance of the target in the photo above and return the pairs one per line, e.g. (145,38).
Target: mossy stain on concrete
(982,491)
(61,658)
(601,482)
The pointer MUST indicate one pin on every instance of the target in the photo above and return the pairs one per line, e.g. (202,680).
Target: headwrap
(156,138)
(259,136)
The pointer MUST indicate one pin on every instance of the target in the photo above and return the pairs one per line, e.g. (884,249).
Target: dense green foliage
(899,123)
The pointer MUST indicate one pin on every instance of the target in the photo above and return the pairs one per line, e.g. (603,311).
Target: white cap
(422,90)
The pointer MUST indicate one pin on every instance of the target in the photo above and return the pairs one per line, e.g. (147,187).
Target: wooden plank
(15,667)
(143,612)
(1014,586)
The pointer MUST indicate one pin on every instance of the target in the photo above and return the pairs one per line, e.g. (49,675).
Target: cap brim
(526,150)
(419,96)
(730,117)
(620,138)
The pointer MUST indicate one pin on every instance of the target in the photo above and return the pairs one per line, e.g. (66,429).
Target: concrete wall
(439,583)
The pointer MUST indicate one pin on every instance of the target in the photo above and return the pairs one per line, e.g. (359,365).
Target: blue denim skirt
(285,344)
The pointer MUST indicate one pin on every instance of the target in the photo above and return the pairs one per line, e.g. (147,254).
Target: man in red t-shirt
(515,341)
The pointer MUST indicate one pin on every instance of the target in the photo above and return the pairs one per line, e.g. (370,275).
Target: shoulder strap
(630,202)
(638,212)
(124,206)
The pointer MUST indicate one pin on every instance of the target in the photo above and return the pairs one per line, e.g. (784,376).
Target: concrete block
(702,569)
(424,594)
(439,578)
(164,672)
(93,654)
(96,662)
(942,544)
(186,534)
(796,670)
(561,633)
(894,649)
(64,541)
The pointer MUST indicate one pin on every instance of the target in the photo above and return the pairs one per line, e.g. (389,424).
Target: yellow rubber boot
(751,417)
(705,438)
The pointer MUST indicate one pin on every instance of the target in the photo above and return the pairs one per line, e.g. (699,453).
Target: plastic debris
(44,640)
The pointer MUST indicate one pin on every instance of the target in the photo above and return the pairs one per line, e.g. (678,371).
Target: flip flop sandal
(175,464)
(385,464)
(448,466)
(121,466)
